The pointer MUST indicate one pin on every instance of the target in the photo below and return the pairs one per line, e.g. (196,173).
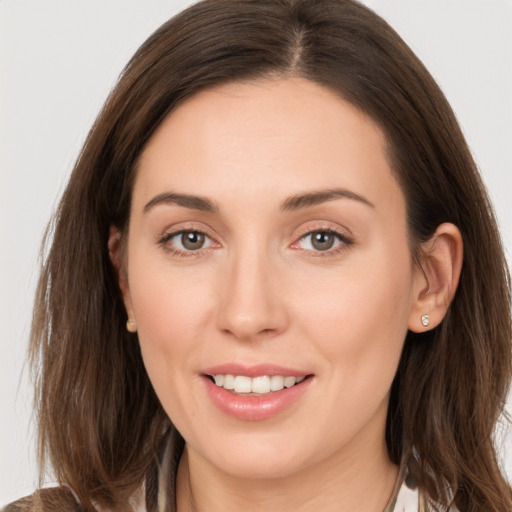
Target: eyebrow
(315,198)
(293,203)
(184,200)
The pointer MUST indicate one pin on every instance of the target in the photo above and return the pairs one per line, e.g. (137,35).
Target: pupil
(322,241)
(192,240)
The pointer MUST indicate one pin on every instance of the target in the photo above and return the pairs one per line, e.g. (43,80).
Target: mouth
(261,385)
(256,392)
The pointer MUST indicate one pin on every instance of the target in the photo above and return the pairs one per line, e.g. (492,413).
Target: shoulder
(54,499)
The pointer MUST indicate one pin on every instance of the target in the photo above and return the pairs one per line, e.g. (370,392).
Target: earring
(131,326)
(425,320)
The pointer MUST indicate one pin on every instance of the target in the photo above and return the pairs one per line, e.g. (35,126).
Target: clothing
(406,498)
(55,499)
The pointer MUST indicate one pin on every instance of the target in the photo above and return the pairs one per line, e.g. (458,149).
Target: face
(268,246)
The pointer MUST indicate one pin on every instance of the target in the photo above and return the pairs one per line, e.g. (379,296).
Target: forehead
(266,136)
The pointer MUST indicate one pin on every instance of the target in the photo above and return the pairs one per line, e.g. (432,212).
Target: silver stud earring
(425,320)
(131,326)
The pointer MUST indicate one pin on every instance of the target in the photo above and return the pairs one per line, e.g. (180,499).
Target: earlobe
(436,278)
(115,252)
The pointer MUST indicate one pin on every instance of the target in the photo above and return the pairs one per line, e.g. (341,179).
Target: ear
(436,278)
(115,251)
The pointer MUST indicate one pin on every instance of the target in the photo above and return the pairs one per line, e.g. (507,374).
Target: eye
(322,240)
(189,240)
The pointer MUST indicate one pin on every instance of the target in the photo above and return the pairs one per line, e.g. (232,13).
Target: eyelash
(174,251)
(344,243)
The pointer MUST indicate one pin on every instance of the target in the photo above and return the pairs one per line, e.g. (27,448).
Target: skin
(260,292)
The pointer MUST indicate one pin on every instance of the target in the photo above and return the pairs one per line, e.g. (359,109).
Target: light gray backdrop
(59,59)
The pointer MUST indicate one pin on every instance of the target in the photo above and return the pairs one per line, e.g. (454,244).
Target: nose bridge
(250,302)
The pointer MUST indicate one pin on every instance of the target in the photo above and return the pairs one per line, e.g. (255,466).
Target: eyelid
(207,239)
(345,238)
(311,227)
(180,227)
(343,234)
(168,234)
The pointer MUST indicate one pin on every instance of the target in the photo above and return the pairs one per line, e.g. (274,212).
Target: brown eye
(192,240)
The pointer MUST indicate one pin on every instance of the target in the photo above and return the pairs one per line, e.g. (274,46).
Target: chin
(254,467)
(257,459)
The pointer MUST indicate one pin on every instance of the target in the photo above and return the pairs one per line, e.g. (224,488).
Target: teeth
(289,382)
(229,381)
(261,385)
(242,384)
(276,383)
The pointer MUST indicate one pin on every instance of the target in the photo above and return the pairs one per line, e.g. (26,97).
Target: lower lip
(255,408)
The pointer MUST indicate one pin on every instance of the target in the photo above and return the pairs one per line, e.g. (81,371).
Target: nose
(251,304)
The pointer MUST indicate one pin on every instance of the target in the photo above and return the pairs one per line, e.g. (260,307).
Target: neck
(360,481)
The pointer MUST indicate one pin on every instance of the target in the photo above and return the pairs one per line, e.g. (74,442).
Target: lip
(254,370)
(254,408)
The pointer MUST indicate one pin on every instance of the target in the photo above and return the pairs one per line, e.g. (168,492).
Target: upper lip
(254,370)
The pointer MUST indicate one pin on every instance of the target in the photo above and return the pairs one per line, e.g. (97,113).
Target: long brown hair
(101,425)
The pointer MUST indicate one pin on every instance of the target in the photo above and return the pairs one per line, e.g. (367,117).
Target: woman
(272,307)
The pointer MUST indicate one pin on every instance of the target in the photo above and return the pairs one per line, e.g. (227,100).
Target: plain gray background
(59,59)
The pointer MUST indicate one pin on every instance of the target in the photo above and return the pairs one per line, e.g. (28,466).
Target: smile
(255,386)
(256,393)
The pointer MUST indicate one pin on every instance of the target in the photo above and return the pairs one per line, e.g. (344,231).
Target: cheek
(169,306)
(358,317)
(357,322)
